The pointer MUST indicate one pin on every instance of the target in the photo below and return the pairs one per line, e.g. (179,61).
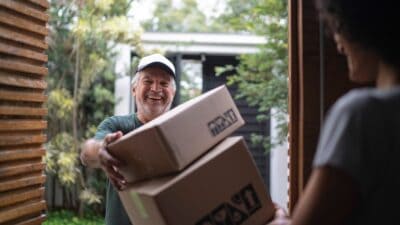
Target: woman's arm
(329,198)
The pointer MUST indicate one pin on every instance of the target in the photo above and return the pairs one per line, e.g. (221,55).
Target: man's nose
(155,86)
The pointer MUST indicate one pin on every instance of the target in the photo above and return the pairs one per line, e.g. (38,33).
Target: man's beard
(155,111)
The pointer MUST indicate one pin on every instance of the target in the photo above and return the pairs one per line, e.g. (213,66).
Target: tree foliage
(185,17)
(191,80)
(81,84)
(262,78)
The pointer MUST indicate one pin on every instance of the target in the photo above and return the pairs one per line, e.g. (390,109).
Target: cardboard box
(170,142)
(222,187)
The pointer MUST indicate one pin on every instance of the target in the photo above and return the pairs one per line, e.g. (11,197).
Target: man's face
(153,93)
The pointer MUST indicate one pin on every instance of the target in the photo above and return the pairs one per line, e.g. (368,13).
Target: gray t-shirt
(361,136)
(115,212)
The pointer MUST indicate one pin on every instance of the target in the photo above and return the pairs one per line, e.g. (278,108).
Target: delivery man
(154,88)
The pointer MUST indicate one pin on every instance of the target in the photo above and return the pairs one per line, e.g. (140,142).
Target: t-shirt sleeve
(106,126)
(340,140)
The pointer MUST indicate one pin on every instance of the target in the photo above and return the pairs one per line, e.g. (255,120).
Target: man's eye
(147,81)
(164,84)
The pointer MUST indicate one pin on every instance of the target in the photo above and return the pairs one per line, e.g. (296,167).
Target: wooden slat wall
(22,111)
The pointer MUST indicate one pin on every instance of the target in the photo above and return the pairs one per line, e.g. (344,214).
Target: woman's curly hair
(372,24)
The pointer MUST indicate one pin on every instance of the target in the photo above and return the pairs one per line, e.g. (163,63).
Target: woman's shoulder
(359,100)
(368,102)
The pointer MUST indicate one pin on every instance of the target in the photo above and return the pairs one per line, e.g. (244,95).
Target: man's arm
(95,155)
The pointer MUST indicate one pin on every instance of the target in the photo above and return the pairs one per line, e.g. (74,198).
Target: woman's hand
(280,217)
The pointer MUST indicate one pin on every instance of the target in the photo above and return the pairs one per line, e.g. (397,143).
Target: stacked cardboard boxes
(183,170)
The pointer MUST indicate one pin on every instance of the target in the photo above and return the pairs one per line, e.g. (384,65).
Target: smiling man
(154,89)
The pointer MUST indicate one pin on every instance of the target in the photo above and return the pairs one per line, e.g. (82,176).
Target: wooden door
(317,78)
(22,111)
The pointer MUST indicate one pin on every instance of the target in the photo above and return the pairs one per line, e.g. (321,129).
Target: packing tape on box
(139,204)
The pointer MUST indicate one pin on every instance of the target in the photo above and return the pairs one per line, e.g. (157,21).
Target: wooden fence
(22,112)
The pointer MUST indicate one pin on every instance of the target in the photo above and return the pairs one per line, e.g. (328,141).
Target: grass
(65,217)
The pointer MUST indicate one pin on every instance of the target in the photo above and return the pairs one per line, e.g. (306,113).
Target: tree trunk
(53,191)
(75,97)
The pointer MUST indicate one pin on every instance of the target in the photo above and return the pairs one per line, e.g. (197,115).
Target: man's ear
(133,89)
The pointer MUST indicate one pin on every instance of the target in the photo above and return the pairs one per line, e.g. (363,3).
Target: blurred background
(94,47)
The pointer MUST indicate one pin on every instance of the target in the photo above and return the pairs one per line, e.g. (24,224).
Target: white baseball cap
(157,60)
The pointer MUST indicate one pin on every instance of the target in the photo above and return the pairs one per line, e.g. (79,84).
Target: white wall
(122,96)
(122,84)
(279,171)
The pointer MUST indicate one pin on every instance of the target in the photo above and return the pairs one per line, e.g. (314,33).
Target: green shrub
(65,217)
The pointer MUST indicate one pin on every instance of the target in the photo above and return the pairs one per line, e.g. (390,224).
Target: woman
(355,171)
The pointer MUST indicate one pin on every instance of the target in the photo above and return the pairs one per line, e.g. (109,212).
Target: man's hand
(90,153)
(280,218)
(110,164)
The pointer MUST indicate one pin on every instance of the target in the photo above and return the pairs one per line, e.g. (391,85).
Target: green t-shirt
(115,212)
